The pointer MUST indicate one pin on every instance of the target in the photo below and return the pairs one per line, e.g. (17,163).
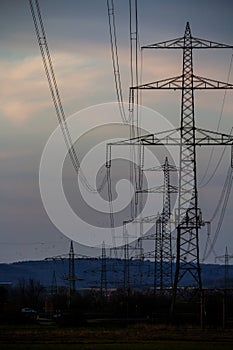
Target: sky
(78,37)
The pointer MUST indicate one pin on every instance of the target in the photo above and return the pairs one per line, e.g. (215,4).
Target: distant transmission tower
(126,259)
(71,276)
(226,257)
(166,238)
(162,236)
(54,284)
(103,286)
(188,218)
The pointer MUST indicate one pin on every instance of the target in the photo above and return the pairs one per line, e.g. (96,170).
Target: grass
(128,346)
(138,337)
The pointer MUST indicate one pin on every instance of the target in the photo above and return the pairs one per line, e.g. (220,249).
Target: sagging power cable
(225,194)
(218,126)
(50,74)
(115,58)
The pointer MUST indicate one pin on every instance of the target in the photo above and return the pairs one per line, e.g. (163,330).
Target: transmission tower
(126,259)
(103,286)
(166,239)
(188,218)
(162,236)
(226,257)
(54,284)
(71,276)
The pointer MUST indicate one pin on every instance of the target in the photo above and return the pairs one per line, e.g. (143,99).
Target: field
(129,346)
(145,337)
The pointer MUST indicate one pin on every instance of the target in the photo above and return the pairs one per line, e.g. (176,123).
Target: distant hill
(88,272)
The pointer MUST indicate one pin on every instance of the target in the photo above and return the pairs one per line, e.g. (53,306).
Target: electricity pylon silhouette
(226,258)
(188,218)
(163,225)
(166,238)
(103,285)
(71,277)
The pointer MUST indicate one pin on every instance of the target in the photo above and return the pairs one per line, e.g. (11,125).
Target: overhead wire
(218,126)
(217,165)
(133,73)
(118,86)
(208,243)
(137,153)
(119,95)
(115,58)
(221,198)
(111,212)
(56,98)
(226,194)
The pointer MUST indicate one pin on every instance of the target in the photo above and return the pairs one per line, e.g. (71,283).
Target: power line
(136,153)
(50,74)
(134,47)
(115,59)
(217,165)
(111,213)
(227,190)
(208,242)
(219,121)
(222,195)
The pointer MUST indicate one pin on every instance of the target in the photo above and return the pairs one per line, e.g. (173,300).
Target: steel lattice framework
(162,236)
(188,137)
(166,239)
(71,277)
(103,282)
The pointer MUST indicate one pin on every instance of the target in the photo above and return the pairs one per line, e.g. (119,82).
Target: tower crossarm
(150,254)
(221,257)
(211,138)
(147,219)
(171,137)
(161,167)
(198,43)
(160,137)
(159,189)
(177,43)
(195,43)
(175,83)
(169,83)
(206,83)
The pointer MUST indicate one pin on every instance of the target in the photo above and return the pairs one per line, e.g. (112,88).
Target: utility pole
(189,218)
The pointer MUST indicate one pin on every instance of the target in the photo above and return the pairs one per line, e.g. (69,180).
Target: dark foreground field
(134,337)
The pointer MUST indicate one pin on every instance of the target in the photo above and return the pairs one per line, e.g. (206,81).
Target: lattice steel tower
(188,218)
(103,285)
(71,276)
(166,239)
(188,214)
(162,236)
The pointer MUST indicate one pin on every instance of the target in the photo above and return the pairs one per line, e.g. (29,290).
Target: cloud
(21,79)
(26,92)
